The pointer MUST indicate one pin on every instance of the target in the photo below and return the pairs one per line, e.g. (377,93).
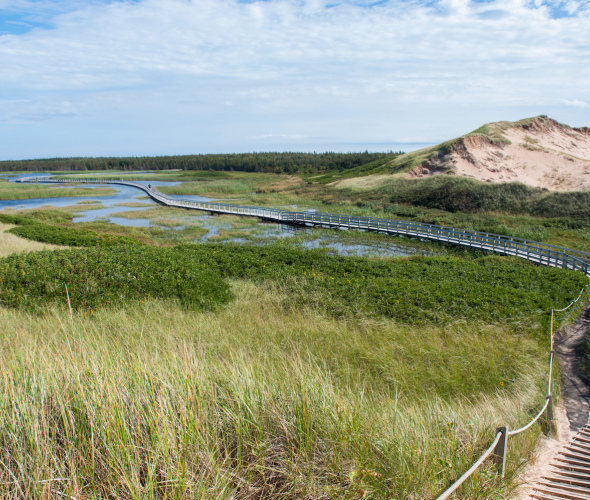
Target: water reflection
(255,233)
(124,194)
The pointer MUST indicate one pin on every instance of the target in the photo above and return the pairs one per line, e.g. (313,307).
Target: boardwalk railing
(540,253)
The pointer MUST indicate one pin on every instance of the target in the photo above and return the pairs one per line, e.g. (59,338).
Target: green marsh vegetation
(510,209)
(44,226)
(14,191)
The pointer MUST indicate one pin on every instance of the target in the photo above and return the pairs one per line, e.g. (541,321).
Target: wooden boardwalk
(534,251)
(570,475)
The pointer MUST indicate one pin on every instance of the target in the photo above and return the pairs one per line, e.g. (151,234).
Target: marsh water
(219,228)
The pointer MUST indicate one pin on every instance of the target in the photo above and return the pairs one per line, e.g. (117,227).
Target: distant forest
(291,163)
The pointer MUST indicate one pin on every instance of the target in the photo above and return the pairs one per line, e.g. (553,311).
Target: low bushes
(460,194)
(97,276)
(33,227)
(491,289)
(411,290)
(73,237)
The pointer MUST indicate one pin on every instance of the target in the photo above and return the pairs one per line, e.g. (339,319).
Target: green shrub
(103,276)
(460,194)
(492,288)
(74,237)
(418,289)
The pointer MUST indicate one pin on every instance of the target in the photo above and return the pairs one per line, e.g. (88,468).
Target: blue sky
(156,77)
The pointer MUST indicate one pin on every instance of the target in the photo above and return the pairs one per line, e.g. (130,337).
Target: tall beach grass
(255,401)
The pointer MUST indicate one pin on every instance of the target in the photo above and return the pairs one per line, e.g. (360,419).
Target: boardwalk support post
(499,455)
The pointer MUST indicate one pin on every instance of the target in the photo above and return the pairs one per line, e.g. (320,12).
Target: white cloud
(279,136)
(576,103)
(348,72)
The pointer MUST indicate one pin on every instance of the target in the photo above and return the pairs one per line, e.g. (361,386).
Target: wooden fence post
(499,455)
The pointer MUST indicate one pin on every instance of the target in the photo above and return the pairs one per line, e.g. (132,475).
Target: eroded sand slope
(539,152)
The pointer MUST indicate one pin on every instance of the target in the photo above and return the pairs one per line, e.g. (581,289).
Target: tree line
(291,163)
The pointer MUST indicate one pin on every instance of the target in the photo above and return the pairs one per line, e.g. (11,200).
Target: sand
(542,153)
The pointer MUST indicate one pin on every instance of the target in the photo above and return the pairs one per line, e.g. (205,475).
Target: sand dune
(539,152)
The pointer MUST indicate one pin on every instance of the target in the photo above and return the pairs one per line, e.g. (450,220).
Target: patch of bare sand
(542,153)
(10,243)
(546,449)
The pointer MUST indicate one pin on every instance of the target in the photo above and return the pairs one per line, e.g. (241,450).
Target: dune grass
(254,401)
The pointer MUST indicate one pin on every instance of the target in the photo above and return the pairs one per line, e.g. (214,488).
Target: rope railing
(473,468)
(499,446)
(534,251)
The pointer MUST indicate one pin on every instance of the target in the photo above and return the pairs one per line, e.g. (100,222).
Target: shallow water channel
(218,228)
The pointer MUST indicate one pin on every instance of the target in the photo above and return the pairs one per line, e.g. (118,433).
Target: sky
(164,77)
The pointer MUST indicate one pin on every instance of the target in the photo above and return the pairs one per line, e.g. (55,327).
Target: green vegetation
(460,194)
(97,277)
(255,400)
(214,188)
(70,236)
(30,228)
(14,191)
(510,209)
(412,290)
(9,243)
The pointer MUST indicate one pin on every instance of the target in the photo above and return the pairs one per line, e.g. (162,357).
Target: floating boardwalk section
(539,253)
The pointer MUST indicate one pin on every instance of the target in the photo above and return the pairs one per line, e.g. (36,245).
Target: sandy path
(575,382)
(545,450)
(572,414)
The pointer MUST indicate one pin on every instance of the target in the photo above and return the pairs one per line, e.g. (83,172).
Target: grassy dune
(255,401)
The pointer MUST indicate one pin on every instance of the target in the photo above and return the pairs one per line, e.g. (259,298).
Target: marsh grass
(255,401)
(509,209)
(14,191)
(135,204)
(221,187)
(88,202)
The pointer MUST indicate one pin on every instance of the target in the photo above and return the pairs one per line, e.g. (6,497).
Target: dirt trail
(572,413)
(575,382)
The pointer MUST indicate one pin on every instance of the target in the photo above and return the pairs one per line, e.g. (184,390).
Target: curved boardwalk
(540,253)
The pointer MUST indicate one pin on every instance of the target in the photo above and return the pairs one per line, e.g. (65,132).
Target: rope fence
(499,447)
